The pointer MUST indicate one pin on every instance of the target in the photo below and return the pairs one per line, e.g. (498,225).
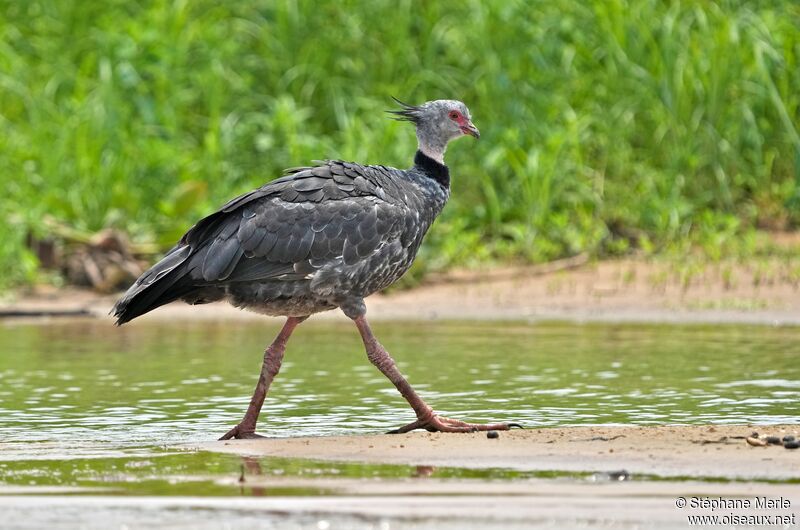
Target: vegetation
(607,125)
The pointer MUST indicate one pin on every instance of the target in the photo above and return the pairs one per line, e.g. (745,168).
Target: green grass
(606,125)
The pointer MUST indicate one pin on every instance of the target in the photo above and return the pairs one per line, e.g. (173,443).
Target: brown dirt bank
(667,451)
(764,292)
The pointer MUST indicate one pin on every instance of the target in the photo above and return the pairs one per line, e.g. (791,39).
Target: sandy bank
(764,292)
(667,451)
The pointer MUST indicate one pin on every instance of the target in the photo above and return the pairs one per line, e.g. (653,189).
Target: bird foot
(434,423)
(241,433)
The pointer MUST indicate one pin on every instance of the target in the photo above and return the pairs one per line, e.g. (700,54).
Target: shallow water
(85,403)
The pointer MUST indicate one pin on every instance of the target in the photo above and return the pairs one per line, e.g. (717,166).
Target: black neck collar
(433,169)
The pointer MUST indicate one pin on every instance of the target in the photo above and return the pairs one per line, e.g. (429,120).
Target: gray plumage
(318,238)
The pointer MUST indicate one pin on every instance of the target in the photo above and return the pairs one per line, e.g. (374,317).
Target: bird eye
(453,115)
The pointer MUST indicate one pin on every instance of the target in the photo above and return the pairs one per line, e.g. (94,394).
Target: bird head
(437,122)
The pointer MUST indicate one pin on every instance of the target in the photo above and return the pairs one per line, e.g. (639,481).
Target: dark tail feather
(162,284)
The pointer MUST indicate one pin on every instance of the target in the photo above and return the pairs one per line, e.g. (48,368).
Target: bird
(318,238)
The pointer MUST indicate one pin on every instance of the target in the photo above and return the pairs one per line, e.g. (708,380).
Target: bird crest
(412,113)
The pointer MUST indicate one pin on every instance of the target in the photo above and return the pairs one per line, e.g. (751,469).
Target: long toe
(442,424)
(480,426)
(249,436)
(418,424)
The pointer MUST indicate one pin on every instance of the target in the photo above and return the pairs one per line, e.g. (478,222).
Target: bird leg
(273,356)
(426,418)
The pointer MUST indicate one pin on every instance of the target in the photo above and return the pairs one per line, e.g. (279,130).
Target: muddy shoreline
(718,452)
(608,291)
(642,477)
(568,476)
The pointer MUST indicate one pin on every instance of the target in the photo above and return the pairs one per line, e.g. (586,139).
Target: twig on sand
(720,440)
(23,313)
(598,438)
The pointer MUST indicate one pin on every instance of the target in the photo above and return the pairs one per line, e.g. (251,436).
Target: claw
(228,435)
(515,425)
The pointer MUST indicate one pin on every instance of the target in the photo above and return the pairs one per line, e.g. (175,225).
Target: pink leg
(426,418)
(272,364)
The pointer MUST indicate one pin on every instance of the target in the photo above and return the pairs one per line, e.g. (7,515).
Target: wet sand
(715,452)
(665,465)
(639,475)
(426,505)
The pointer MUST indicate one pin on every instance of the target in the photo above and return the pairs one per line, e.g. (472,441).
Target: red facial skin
(464,124)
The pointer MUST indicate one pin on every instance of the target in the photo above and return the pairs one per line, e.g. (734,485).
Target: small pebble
(773,440)
(611,476)
(619,476)
(788,438)
(492,434)
(791,445)
(755,442)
